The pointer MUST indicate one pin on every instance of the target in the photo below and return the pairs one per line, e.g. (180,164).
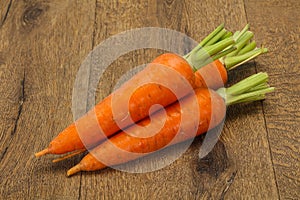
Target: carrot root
(74,170)
(69,155)
(41,153)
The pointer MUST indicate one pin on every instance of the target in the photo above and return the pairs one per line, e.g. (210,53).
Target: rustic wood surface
(43,43)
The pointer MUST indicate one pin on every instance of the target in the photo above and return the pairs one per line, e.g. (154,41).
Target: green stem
(241,43)
(235,61)
(211,35)
(227,35)
(239,35)
(220,44)
(247,48)
(247,83)
(223,53)
(236,34)
(249,97)
(250,89)
(197,59)
(215,48)
(216,57)
(246,35)
(259,87)
(216,38)
(205,40)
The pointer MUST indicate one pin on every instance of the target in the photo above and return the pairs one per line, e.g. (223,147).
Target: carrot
(140,102)
(212,106)
(85,132)
(162,68)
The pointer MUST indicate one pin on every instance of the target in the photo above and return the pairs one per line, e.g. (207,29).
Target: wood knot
(31,15)
(169,2)
(216,162)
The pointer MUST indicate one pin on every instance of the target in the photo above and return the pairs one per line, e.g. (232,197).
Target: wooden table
(43,44)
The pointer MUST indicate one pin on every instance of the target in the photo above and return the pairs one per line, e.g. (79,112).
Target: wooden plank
(11,98)
(114,184)
(4,11)
(280,32)
(42,46)
(246,170)
(246,182)
(48,40)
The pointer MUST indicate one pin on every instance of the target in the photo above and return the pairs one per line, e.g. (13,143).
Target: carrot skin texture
(87,128)
(212,111)
(213,76)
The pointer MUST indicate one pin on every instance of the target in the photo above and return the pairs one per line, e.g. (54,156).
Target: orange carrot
(85,132)
(108,152)
(171,67)
(212,111)
(140,102)
(214,74)
(204,77)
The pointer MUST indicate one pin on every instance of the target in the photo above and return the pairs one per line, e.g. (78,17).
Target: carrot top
(231,49)
(253,88)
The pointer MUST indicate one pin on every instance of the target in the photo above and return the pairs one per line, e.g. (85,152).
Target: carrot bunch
(185,77)
(132,144)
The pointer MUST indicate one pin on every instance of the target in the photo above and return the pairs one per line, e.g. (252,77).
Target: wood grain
(4,10)
(11,87)
(185,17)
(42,45)
(281,111)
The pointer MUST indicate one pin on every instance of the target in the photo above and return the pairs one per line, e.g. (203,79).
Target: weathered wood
(42,46)
(182,178)
(247,182)
(277,24)
(4,10)
(11,84)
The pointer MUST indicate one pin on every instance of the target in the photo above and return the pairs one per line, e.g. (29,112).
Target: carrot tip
(74,170)
(41,153)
